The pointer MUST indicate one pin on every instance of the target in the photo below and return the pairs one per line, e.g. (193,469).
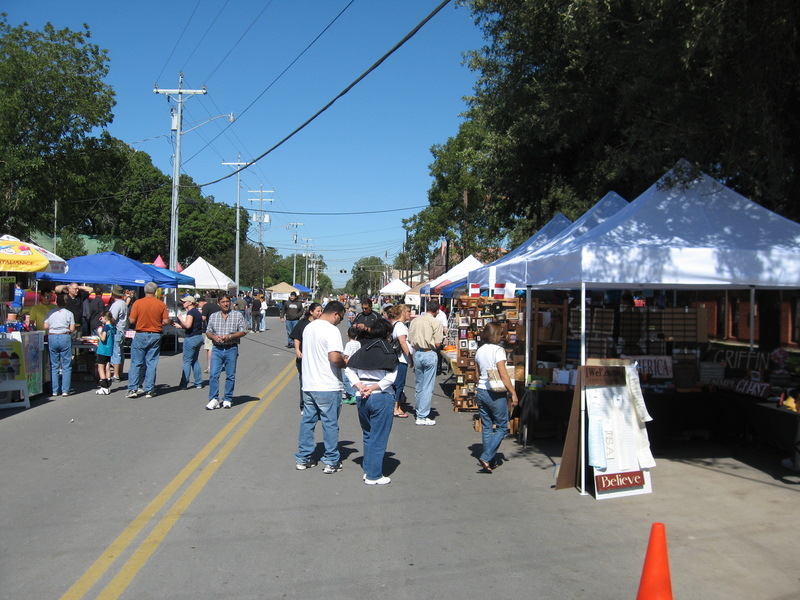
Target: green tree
(368,276)
(52,96)
(70,244)
(579,97)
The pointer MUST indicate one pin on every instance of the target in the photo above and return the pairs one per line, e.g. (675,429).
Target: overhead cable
(378,63)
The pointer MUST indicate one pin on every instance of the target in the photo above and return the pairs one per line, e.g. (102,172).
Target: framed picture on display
(463,344)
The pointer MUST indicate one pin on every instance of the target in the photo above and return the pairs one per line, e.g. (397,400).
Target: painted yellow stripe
(82,586)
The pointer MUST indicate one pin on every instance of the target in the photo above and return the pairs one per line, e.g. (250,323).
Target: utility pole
(294,267)
(177,127)
(306,255)
(262,218)
(239,163)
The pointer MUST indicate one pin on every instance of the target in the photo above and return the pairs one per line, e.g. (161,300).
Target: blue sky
(369,151)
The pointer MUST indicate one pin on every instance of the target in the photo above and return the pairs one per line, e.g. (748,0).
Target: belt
(153,332)
(424,350)
(225,346)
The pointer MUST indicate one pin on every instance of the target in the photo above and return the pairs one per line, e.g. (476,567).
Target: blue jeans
(145,350)
(223,358)
(60,348)
(289,326)
(400,381)
(376,415)
(493,408)
(425,373)
(191,362)
(348,387)
(116,353)
(325,407)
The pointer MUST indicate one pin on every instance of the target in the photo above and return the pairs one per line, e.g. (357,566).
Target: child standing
(350,348)
(105,347)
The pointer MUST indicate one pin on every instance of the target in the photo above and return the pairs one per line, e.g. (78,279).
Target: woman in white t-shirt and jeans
(492,406)
(399,314)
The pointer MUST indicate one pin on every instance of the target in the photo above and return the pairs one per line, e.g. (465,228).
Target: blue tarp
(183,280)
(301,288)
(110,268)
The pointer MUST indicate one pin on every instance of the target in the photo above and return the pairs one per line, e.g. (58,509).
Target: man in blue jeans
(426,336)
(291,312)
(225,328)
(322,365)
(148,317)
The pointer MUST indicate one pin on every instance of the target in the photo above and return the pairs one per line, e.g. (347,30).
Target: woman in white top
(492,406)
(372,371)
(399,315)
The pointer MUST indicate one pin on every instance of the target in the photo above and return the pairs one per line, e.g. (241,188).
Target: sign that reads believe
(619,481)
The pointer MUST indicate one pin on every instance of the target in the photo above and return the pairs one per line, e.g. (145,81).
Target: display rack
(549,336)
(470,317)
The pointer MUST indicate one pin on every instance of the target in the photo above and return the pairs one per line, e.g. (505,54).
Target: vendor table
(21,367)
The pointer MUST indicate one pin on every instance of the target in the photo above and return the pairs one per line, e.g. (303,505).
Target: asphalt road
(108,497)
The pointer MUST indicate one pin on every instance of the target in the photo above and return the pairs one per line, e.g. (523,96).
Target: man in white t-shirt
(322,365)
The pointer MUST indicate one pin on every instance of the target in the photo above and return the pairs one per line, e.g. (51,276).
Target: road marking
(115,588)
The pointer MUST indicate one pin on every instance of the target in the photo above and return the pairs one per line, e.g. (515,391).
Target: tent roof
(395,286)
(699,235)
(417,288)
(301,288)
(207,276)
(460,270)
(110,268)
(282,288)
(183,280)
(551,229)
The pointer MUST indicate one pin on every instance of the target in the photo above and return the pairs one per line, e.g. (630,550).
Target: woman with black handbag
(494,385)
(372,371)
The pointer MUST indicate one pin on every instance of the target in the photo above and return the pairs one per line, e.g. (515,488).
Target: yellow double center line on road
(122,579)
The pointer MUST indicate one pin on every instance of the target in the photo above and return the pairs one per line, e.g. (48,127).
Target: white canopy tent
(207,276)
(485,275)
(700,235)
(457,272)
(395,287)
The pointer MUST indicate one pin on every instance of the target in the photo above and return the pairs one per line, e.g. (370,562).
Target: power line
(325,214)
(178,41)
(203,37)
(378,63)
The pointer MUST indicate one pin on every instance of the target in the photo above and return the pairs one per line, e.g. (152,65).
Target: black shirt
(209,309)
(75,305)
(368,320)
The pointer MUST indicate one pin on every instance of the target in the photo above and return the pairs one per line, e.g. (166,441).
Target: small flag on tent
(178,267)
(159,262)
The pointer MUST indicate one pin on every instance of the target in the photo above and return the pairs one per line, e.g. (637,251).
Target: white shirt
(319,338)
(486,358)
(442,317)
(398,330)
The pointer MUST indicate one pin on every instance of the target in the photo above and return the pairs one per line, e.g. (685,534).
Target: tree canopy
(575,98)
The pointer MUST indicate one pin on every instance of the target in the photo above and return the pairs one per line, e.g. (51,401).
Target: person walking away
(59,326)
(255,311)
(350,348)
(148,317)
(398,317)
(313,312)
(74,296)
(322,397)
(291,313)
(372,371)
(119,313)
(192,324)
(492,406)
(365,319)
(106,332)
(208,309)
(426,336)
(225,328)
(18,302)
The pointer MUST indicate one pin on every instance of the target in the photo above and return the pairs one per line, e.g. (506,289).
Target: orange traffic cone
(655,583)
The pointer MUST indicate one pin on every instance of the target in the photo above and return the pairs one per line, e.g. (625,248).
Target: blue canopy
(110,268)
(301,288)
(183,280)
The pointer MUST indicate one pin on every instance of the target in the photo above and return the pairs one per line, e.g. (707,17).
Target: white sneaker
(226,404)
(382,481)
(425,421)
(212,404)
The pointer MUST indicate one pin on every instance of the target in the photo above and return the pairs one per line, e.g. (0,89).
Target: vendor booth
(641,270)
(22,361)
(207,277)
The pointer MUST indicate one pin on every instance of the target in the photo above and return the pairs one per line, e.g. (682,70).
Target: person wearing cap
(192,324)
(119,312)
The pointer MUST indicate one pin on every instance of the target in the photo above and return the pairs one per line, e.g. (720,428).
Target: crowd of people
(369,371)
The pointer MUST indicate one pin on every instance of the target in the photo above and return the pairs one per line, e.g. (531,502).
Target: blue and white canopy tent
(111,268)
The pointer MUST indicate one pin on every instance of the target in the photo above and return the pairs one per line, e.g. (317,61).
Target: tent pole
(582,445)
(752,317)
(528,311)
